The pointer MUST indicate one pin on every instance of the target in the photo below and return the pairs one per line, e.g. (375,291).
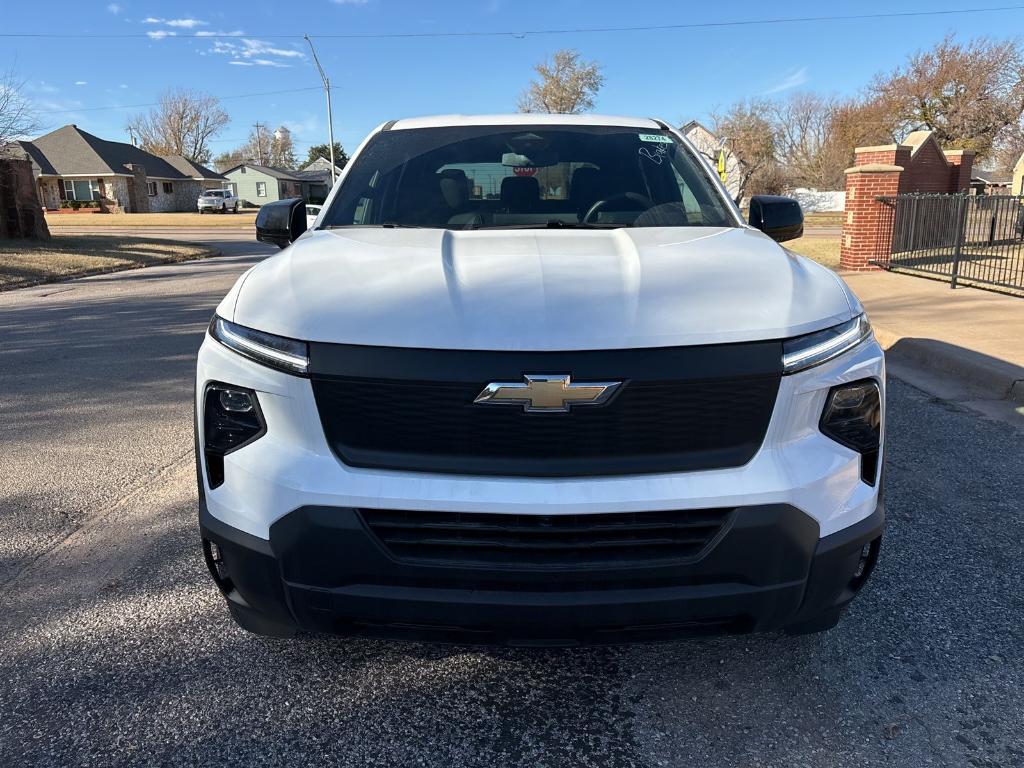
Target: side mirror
(282,222)
(778,217)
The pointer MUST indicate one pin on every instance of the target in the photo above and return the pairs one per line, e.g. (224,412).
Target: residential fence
(975,240)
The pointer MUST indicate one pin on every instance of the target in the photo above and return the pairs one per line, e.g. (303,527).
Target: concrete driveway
(116,649)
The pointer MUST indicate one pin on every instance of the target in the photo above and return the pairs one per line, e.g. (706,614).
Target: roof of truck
(524,118)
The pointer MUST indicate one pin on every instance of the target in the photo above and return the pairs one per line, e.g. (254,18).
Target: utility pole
(259,141)
(330,117)
(131,133)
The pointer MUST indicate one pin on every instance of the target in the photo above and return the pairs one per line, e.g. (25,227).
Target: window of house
(168,188)
(81,189)
(261,189)
(151,188)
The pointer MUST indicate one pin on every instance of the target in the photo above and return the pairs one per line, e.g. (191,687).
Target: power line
(157,103)
(527,32)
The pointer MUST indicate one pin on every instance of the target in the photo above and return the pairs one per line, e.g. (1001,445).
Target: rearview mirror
(778,217)
(282,222)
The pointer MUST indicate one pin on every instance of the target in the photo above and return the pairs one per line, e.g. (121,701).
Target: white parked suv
(533,380)
(220,200)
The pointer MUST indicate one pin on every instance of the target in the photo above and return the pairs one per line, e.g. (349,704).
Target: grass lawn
(824,219)
(241,219)
(824,250)
(29,262)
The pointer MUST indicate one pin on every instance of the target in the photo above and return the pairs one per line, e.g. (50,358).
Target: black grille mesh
(650,426)
(545,541)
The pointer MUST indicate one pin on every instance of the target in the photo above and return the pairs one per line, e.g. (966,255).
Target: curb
(986,377)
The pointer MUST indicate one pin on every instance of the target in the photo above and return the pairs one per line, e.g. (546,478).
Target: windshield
(489,177)
(214,194)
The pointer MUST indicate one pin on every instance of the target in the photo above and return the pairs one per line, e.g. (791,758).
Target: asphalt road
(116,649)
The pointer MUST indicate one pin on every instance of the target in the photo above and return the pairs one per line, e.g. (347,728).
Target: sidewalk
(971,339)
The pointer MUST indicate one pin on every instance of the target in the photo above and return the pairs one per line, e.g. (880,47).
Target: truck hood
(538,289)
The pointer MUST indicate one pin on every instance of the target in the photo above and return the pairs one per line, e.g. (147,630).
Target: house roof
(70,151)
(192,169)
(269,170)
(992,177)
(321,164)
(315,174)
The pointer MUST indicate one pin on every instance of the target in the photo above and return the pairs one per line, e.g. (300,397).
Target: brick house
(72,165)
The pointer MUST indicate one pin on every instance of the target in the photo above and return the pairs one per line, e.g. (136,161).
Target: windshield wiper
(385,225)
(554,224)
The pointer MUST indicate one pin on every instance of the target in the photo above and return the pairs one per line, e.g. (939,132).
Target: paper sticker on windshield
(656,137)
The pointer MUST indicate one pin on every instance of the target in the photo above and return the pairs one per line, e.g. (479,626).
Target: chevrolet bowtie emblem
(547,394)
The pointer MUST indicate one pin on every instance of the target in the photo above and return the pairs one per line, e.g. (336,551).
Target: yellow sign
(721,165)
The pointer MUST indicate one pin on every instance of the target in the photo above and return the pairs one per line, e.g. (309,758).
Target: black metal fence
(967,239)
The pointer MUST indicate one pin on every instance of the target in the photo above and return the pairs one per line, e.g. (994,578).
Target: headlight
(853,417)
(231,420)
(819,347)
(286,355)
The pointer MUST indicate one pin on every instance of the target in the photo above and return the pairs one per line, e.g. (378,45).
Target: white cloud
(160,34)
(240,63)
(259,52)
(42,87)
(211,33)
(794,79)
(180,23)
(187,23)
(122,85)
(114,8)
(263,48)
(81,82)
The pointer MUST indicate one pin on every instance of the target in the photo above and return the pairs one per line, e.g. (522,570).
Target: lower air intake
(546,541)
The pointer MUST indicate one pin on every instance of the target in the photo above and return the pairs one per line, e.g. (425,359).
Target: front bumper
(298,554)
(323,570)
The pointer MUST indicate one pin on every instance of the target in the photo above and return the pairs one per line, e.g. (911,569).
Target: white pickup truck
(221,200)
(593,406)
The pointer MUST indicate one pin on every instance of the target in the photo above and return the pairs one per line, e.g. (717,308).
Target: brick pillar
(21,214)
(867,229)
(962,161)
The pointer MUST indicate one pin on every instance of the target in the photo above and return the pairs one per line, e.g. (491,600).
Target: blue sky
(676,75)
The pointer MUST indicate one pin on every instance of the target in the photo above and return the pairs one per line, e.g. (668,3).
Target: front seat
(585,188)
(520,194)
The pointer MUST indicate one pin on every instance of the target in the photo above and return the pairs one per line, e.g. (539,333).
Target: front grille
(678,409)
(546,541)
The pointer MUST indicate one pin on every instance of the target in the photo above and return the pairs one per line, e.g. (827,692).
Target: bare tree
(967,93)
(802,126)
(183,123)
(17,118)
(747,129)
(565,85)
(1009,147)
(258,148)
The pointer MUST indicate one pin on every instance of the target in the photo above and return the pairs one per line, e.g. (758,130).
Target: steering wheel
(600,205)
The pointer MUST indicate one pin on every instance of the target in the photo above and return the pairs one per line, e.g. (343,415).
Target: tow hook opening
(866,564)
(218,568)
